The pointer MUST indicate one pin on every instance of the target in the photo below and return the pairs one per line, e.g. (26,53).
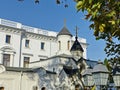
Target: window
(68,45)
(59,45)
(27,43)
(1,88)
(6,59)
(8,37)
(42,45)
(26,62)
(53,69)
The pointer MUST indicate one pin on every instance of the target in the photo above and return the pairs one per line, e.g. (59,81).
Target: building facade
(13,78)
(25,50)
(21,45)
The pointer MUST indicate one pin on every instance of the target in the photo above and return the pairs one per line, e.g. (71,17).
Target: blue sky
(50,16)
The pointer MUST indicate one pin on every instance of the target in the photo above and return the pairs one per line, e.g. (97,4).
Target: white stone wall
(64,44)
(17,81)
(19,33)
(34,51)
(20,79)
(13,48)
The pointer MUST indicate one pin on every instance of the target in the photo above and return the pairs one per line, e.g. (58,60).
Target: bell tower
(64,41)
(76,50)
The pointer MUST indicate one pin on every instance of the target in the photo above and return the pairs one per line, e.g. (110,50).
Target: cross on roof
(76,31)
(65,22)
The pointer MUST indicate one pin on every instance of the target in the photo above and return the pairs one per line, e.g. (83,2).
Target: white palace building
(33,58)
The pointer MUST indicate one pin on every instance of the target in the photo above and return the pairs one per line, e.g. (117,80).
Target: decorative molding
(27,54)
(7,29)
(42,56)
(8,49)
(40,36)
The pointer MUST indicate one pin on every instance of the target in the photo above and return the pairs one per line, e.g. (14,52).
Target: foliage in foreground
(105,15)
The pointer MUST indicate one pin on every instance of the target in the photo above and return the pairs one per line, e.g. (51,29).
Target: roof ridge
(64,31)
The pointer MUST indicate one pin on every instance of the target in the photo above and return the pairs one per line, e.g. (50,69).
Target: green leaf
(79,5)
(90,1)
(112,22)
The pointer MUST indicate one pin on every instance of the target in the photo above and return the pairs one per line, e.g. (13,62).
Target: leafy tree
(105,15)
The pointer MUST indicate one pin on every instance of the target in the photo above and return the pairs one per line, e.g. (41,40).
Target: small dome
(100,68)
(64,31)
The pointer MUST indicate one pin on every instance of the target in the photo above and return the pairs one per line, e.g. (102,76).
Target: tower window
(27,43)
(8,38)
(26,61)
(59,45)
(68,45)
(42,45)
(53,69)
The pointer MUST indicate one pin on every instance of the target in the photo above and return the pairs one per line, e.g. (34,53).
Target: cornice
(8,29)
(40,37)
(13,30)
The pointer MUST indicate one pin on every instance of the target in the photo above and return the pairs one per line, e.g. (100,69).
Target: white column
(1,58)
(12,60)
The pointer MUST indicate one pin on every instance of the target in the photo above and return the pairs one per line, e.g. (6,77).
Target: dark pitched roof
(69,71)
(64,31)
(76,46)
(50,72)
(90,63)
(79,60)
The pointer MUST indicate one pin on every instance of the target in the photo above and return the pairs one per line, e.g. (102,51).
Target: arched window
(2,88)
(68,45)
(59,45)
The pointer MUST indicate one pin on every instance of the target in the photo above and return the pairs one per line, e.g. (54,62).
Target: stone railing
(27,28)
(10,23)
